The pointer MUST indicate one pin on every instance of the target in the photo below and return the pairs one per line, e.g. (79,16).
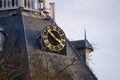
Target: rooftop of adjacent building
(82,44)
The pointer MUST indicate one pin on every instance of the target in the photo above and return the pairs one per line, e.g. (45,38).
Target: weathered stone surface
(50,65)
(24,28)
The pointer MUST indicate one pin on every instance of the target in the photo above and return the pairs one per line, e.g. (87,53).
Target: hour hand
(55,37)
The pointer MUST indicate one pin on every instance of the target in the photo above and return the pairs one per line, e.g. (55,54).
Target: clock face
(54,38)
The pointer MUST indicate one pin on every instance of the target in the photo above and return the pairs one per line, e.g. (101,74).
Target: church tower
(34,47)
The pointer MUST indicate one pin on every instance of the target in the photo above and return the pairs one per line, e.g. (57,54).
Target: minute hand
(55,37)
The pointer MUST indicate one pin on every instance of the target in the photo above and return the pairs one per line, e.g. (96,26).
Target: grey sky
(102,21)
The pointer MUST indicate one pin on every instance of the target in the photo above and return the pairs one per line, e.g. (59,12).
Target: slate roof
(26,29)
(79,44)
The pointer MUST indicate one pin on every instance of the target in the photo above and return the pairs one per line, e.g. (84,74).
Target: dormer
(84,48)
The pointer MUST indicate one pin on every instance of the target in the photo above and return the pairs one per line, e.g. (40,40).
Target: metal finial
(85,37)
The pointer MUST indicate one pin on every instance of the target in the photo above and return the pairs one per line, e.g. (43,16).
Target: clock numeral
(52,47)
(51,28)
(60,46)
(47,43)
(44,38)
(54,28)
(60,32)
(62,37)
(45,33)
(56,48)
(63,42)
(57,29)
(47,29)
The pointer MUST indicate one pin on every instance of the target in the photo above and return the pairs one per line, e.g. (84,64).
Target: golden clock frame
(61,47)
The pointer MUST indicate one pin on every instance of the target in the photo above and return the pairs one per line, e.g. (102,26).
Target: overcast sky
(102,21)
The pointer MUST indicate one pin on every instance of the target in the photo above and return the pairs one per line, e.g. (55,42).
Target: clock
(54,38)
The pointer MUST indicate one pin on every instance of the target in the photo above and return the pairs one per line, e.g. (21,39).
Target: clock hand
(55,37)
